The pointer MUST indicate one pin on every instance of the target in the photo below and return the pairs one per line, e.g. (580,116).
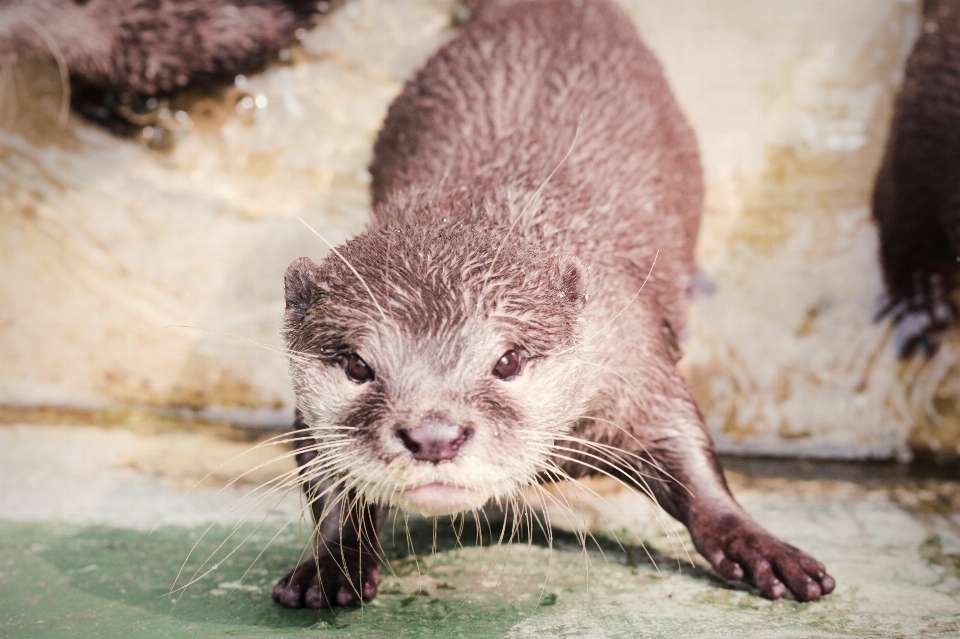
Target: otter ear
(302,284)
(570,277)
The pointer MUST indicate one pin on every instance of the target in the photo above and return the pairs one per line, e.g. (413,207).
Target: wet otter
(916,199)
(510,315)
(121,53)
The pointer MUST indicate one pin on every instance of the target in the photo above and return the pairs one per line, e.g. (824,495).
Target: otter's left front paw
(742,550)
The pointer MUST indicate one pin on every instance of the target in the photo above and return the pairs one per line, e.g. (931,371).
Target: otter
(916,197)
(510,316)
(121,53)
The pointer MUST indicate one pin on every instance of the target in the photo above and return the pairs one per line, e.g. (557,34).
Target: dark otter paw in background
(742,550)
(324,583)
(921,312)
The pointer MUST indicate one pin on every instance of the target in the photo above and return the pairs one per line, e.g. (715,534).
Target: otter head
(434,377)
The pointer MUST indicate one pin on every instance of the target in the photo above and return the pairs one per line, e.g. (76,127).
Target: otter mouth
(440,499)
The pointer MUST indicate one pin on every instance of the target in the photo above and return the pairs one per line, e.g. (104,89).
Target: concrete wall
(107,245)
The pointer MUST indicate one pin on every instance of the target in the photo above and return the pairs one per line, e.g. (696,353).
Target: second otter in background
(916,199)
(121,53)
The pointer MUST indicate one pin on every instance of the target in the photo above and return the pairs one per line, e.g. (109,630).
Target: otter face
(431,381)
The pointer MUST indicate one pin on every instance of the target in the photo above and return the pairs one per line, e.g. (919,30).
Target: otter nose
(434,441)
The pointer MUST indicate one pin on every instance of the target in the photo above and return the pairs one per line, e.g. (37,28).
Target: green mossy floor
(893,546)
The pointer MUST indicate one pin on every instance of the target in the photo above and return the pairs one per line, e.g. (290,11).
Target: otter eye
(357,369)
(508,366)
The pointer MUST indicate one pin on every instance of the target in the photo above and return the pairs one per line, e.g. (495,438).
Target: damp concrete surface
(151,528)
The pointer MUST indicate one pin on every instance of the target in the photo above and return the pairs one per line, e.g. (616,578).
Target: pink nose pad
(434,441)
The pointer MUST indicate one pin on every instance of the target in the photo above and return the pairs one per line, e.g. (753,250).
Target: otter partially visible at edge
(510,315)
(916,197)
(118,54)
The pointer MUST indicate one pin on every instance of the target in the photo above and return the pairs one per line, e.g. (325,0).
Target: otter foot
(742,550)
(921,313)
(324,583)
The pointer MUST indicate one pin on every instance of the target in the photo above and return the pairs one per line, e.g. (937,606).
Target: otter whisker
(648,490)
(579,529)
(294,471)
(645,488)
(479,542)
(643,402)
(635,295)
(657,511)
(533,198)
(284,486)
(524,516)
(612,450)
(584,530)
(629,469)
(511,516)
(582,526)
(493,559)
(546,528)
(347,262)
(650,462)
(458,531)
(411,549)
(303,357)
(596,469)
(197,576)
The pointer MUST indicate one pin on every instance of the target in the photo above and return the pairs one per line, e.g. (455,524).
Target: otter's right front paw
(324,583)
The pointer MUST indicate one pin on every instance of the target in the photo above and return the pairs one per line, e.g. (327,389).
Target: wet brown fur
(152,46)
(469,237)
(916,199)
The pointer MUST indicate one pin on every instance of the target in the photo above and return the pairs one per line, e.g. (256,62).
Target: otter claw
(742,550)
(308,584)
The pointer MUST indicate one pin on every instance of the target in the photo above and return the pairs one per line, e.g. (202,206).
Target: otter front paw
(324,583)
(742,550)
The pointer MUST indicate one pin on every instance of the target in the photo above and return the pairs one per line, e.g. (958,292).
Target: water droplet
(261,101)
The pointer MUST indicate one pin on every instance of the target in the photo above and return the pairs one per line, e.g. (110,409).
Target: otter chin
(436,499)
